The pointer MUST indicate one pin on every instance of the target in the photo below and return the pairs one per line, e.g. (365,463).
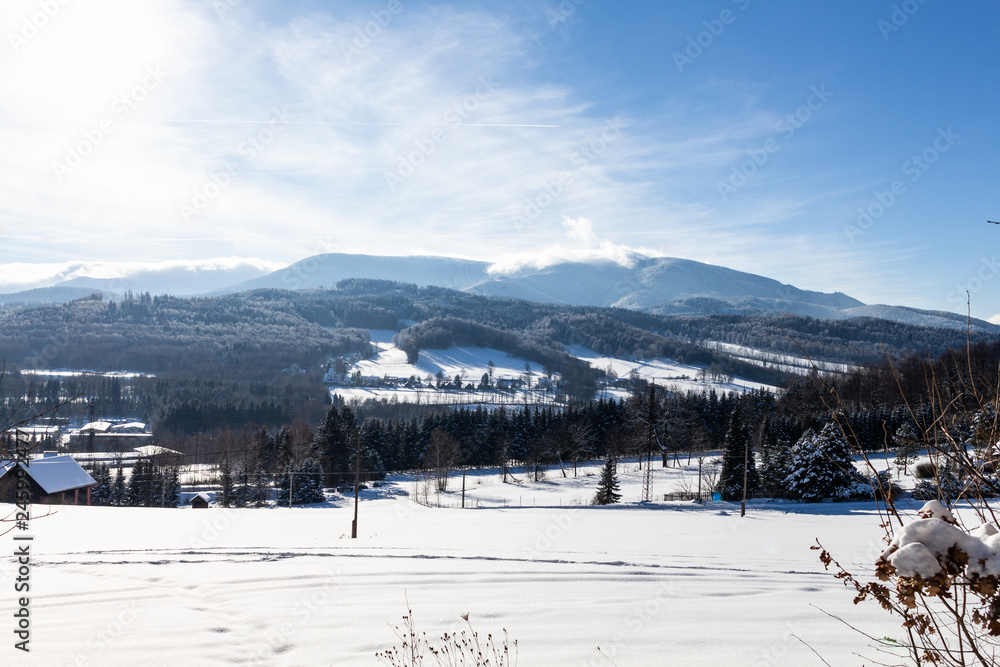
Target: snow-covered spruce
(822,468)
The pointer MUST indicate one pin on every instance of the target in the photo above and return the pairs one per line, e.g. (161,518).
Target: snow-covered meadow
(472,362)
(668,583)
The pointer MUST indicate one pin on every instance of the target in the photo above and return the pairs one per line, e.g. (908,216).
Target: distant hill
(43,295)
(177,281)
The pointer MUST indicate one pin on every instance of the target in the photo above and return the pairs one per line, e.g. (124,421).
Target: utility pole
(746,464)
(647,482)
(357,483)
(463,487)
(700,459)
(291,480)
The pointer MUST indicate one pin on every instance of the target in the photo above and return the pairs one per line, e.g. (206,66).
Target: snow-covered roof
(54,474)
(101,426)
(129,426)
(153,450)
(204,496)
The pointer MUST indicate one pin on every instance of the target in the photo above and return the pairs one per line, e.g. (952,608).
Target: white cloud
(579,229)
(995,319)
(589,250)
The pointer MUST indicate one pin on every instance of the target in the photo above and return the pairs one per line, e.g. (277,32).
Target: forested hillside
(254,334)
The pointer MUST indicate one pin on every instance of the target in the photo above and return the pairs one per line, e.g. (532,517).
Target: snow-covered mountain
(662,285)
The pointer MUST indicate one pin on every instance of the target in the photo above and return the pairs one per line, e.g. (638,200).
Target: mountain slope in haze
(44,295)
(177,281)
(660,285)
(329,269)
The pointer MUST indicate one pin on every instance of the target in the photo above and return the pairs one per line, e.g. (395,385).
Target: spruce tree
(907,442)
(822,466)
(311,485)
(336,444)
(737,454)
(775,457)
(119,491)
(173,486)
(226,482)
(101,492)
(607,490)
(137,481)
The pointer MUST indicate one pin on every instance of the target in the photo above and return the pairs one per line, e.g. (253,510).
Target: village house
(53,480)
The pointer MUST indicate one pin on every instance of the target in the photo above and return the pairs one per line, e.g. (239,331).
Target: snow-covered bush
(822,467)
(944,581)
(465,648)
(949,488)
(938,576)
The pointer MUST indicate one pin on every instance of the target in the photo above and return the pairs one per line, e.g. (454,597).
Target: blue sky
(846,146)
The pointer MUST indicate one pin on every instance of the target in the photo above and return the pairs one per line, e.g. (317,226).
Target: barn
(200,500)
(53,480)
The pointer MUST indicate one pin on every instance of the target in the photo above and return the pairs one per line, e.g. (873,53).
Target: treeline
(174,407)
(148,485)
(228,336)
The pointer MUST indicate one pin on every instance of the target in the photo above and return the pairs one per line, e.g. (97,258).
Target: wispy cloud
(18,276)
(437,133)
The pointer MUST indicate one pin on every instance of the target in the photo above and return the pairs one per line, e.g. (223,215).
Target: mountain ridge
(656,285)
(659,285)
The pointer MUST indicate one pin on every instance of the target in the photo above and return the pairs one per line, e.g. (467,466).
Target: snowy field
(785,362)
(662,584)
(78,373)
(472,362)
(664,372)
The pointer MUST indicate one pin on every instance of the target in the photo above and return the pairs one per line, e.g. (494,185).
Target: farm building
(200,500)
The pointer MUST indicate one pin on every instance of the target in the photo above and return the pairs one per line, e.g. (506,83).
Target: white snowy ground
(664,372)
(667,584)
(471,363)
